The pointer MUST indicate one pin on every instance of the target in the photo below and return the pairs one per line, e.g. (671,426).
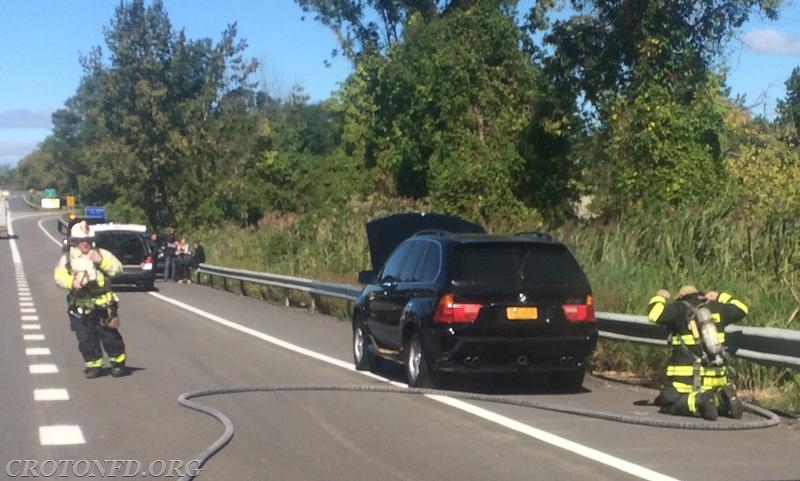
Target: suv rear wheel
(418,373)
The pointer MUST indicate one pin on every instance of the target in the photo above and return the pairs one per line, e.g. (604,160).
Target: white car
(129,243)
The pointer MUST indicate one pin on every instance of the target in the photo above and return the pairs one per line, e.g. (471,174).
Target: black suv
(457,300)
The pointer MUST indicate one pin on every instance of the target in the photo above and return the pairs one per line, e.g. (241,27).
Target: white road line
(37,351)
(30,318)
(25,304)
(31,327)
(27,310)
(26,299)
(59,435)
(33,337)
(544,436)
(51,394)
(42,368)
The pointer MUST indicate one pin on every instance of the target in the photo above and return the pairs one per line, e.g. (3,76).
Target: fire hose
(186,400)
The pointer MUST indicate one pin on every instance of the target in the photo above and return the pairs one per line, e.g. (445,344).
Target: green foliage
(602,49)
(657,150)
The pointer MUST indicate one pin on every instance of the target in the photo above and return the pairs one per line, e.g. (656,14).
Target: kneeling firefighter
(697,381)
(86,273)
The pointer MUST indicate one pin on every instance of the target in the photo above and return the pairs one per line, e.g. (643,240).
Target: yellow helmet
(687,290)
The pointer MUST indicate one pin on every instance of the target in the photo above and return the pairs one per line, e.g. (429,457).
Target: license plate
(522,313)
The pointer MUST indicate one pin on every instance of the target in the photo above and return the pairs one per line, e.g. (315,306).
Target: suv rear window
(517,262)
(128,247)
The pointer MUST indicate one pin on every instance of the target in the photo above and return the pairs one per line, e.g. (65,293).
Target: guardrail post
(312,306)
(241,289)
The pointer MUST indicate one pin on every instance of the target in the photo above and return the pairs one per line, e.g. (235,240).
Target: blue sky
(41,40)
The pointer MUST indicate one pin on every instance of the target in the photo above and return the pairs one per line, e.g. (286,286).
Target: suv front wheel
(363,358)
(418,373)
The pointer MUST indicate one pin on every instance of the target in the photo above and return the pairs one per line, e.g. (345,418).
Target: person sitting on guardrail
(198,257)
(697,381)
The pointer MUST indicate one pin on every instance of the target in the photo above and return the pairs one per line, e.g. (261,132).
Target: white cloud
(11,151)
(25,119)
(772,42)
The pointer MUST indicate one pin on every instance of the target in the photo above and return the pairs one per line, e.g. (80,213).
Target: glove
(664,293)
(111,317)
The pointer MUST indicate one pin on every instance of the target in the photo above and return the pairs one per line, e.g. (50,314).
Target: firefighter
(86,272)
(697,381)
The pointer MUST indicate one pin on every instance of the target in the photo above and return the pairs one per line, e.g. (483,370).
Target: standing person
(86,273)
(697,374)
(155,250)
(182,263)
(170,247)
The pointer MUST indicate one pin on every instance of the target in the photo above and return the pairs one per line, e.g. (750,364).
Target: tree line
(486,110)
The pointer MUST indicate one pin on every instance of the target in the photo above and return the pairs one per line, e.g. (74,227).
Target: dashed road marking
(37,351)
(42,368)
(33,337)
(51,394)
(60,435)
(31,327)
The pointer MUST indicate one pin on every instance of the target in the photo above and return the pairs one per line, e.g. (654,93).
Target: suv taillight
(580,312)
(448,311)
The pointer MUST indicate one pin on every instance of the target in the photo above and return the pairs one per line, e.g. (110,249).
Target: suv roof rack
(440,232)
(544,235)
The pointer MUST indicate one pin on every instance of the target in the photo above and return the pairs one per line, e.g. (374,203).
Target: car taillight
(580,312)
(148,260)
(448,311)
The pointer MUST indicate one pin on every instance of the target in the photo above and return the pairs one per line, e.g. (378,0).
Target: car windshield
(517,263)
(128,248)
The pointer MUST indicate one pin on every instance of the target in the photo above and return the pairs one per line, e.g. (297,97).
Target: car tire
(363,358)
(418,373)
(568,381)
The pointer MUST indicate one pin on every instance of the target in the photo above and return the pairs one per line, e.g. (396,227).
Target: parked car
(458,300)
(129,243)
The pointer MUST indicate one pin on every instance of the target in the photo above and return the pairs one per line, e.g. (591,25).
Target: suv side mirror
(366,277)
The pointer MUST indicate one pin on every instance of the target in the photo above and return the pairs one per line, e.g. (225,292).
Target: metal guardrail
(764,345)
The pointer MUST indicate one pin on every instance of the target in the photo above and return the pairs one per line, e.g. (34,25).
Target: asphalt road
(184,338)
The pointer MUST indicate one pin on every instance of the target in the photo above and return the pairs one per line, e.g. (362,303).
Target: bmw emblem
(522,298)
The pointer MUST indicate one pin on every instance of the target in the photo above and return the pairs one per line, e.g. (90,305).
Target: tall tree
(364,26)
(146,117)
(789,108)
(602,48)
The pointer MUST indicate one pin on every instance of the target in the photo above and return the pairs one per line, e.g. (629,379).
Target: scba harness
(100,299)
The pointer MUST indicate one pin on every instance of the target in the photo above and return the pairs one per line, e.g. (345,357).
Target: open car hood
(386,233)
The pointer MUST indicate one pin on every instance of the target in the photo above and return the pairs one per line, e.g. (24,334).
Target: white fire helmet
(80,231)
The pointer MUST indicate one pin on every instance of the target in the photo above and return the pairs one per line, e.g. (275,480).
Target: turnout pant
(93,338)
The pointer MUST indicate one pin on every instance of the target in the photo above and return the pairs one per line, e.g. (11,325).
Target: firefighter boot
(91,372)
(119,370)
(730,403)
(707,406)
